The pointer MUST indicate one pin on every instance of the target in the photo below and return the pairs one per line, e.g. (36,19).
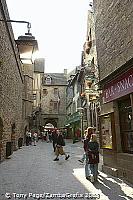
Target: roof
(56,78)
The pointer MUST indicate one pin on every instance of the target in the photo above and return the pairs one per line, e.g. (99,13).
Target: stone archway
(49,125)
(52,121)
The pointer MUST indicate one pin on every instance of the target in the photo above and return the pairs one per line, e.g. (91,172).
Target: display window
(106,131)
(126,124)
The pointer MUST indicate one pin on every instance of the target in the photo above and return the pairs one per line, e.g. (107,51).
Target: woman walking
(93,157)
(90,131)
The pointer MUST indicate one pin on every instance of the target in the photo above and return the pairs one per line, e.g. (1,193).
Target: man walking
(59,147)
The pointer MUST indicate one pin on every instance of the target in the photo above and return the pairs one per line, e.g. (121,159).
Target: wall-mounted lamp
(27,45)
(17,21)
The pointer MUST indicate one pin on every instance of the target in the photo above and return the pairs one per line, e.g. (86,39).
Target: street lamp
(27,45)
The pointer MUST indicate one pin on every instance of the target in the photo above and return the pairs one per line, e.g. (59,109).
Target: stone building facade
(114,41)
(27,46)
(11,87)
(53,99)
(73,103)
(39,67)
(90,74)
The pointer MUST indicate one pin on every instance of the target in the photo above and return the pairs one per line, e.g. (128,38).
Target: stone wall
(11,85)
(114,33)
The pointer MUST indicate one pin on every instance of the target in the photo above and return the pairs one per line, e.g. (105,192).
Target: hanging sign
(119,87)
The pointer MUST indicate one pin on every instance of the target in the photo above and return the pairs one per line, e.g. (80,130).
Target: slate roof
(57,78)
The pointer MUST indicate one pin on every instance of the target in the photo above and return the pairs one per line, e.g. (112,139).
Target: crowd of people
(90,146)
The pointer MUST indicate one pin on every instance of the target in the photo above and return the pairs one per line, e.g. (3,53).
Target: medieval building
(114,41)
(11,88)
(16,84)
(53,99)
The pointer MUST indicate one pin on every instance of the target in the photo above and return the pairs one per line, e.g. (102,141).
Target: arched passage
(50,121)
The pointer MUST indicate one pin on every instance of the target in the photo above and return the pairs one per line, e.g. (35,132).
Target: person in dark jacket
(59,147)
(93,157)
(54,139)
(90,131)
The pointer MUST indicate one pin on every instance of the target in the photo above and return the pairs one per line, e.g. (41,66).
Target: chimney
(65,72)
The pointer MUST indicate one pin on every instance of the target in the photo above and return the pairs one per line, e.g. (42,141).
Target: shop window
(51,103)
(126,129)
(106,131)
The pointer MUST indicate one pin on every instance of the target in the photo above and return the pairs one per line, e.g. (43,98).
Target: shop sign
(119,87)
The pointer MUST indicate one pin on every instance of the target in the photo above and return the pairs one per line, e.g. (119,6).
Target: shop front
(73,125)
(116,126)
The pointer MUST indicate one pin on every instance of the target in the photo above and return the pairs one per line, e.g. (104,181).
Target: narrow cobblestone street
(32,170)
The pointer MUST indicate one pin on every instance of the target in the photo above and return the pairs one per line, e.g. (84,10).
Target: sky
(59,26)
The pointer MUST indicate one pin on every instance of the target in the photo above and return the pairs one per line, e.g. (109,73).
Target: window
(56,91)
(34,96)
(126,130)
(55,106)
(48,80)
(90,34)
(45,92)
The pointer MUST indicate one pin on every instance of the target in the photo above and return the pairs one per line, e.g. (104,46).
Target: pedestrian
(43,136)
(28,138)
(93,155)
(87,135)
(35,138)
(90,131)
(54,139)
(50,135)
(59,147)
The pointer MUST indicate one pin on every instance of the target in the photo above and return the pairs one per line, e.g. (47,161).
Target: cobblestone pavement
(31,172)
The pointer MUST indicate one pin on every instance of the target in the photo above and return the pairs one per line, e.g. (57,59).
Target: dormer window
(48,80)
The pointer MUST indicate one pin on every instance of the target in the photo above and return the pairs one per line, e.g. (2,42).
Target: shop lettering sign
(119,87)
